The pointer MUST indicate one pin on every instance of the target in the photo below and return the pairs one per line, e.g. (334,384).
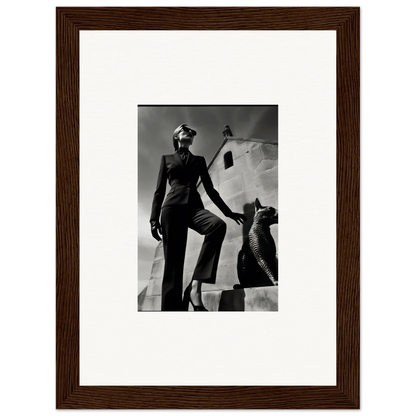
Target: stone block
(224,175)
(201,190)
(233,229)
(157,269)
(239,168)
(231,187)
(226,279)
(207,201)
(154,287)
(140,299)
(229,252)
(215,178)
(261,299)
(159,251)
(152,303)
(215,210)
(190,262)
(270,151)
(237,147)
(253,158)
(211,300)
(253,145)
(245,199)
(248,180)
(187,277)
(267,180)
(250,299)
(221,174)
(210,206)
(217,163)
(194,243)
(264,165)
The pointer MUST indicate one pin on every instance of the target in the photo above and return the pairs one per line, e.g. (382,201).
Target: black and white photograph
(199,193)
(144,360)
(208,208)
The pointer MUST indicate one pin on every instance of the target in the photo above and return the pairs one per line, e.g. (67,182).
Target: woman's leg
(174,235)
(213,228)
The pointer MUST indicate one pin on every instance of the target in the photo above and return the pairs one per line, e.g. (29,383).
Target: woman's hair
(176,132)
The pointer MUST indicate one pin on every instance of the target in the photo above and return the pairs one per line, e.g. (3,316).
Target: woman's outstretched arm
(216,198)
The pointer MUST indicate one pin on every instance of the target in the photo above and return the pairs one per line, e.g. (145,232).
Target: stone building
(241,170)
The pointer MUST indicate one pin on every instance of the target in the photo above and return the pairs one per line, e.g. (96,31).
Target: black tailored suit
(182,209)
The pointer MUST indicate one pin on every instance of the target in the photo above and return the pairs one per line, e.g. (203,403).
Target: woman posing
(182,209)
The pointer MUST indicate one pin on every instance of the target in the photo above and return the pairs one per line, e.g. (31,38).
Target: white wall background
(112,351)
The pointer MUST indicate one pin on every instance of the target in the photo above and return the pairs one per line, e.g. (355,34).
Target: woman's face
(185,138)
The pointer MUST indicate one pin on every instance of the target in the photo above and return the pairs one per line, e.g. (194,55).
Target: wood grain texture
(69,394)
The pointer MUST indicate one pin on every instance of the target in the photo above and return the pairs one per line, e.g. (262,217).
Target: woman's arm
(211,192)
(215,196)
(159,193)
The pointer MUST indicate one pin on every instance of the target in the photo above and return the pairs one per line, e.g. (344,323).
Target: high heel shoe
(198,308)
(187,300)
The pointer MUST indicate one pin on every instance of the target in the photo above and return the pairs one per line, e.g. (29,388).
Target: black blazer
(183,179)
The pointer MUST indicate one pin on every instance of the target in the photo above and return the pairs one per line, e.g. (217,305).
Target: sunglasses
(188,130)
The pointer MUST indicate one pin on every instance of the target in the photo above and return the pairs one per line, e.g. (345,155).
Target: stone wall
(254,174)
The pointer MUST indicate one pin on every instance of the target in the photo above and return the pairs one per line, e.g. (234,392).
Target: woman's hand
(155,229)
(238,218)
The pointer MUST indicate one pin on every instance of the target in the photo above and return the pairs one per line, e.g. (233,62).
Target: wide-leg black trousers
(175,221)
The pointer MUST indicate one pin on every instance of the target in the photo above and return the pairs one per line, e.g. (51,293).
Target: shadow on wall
(248,211)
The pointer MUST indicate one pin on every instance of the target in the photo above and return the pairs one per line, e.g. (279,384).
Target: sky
(155,127)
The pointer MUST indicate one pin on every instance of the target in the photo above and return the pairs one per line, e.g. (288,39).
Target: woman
(183,209)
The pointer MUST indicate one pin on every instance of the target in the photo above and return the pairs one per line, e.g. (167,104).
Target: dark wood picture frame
(346,393)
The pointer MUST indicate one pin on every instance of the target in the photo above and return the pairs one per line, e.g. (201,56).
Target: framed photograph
(244,170)
(209,169)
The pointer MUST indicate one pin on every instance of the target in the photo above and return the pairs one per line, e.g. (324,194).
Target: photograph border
(237,305)
(69,394)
